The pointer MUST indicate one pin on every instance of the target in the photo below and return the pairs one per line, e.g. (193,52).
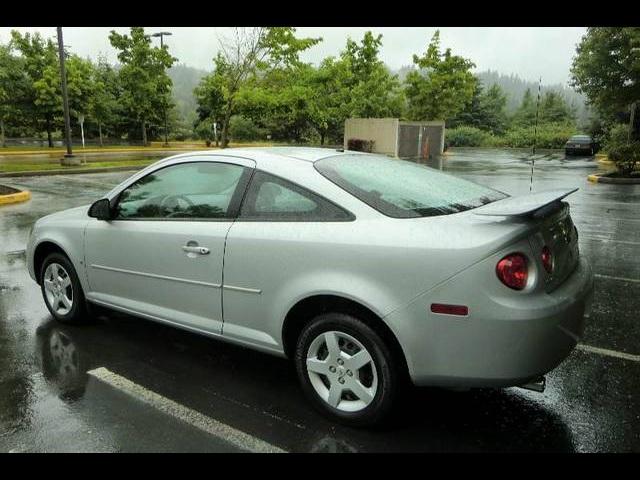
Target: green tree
(526,113)
(442,85)
(554,109)
(210,98)
(606,68)
(103,104)
(14,92)
(80,84)
(146,87)
(295,100)
(373,90)
(43,101)
(486,111)
(244,58)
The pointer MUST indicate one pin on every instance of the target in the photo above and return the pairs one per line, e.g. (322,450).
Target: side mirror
(101,209)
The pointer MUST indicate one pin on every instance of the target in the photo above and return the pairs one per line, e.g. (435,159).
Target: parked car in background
(581,145)
(364,270)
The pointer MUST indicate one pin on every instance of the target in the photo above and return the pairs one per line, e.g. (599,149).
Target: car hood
(75,213)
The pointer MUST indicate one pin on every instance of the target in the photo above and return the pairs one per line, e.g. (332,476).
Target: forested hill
(514,87)
(185,79)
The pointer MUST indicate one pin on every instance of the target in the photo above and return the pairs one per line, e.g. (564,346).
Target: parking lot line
(608,240)
(196,419)
(608,353)
(622,279)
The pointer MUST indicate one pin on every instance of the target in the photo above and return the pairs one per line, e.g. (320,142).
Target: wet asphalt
(48,401)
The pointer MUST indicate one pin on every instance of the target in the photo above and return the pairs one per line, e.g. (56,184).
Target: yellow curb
(593,178)
(605,161)
(15,197)
(131,149)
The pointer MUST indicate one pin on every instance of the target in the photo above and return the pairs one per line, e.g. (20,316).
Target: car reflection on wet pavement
(50,402)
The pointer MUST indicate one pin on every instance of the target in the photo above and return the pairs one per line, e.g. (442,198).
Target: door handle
(198,250)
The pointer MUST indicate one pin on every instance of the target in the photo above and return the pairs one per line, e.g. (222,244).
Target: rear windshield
(402,189)
(580,138)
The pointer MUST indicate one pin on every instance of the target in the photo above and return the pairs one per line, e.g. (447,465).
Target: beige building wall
(383,131)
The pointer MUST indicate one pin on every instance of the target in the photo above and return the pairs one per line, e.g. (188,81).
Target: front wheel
(61,289)
(346,370)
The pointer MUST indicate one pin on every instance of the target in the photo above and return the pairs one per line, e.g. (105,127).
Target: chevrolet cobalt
(362,269)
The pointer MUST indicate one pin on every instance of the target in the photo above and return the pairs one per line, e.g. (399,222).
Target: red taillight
(512,271)
(547,259)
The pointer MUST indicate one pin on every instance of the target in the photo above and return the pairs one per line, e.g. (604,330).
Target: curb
(593,178)
(603,178)
(19,196)
(72,171)
(194,147)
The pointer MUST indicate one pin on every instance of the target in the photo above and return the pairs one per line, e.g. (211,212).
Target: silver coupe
(367,271)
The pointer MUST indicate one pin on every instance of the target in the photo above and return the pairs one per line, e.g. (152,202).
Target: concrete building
(419,140)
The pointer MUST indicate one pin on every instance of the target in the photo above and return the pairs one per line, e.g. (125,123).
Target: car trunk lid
(552,227)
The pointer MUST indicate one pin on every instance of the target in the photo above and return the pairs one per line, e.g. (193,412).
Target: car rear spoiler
(532,204)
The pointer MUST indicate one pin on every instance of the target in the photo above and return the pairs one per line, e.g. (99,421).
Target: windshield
(402,189)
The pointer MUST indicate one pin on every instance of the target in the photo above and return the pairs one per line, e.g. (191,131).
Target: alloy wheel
(342,371)
(58,289)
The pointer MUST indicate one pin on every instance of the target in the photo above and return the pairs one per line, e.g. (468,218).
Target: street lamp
(161,35)
(65,99)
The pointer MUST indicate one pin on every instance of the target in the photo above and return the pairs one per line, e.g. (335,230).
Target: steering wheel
(173,201)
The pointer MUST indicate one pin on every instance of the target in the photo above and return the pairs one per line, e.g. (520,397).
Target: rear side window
(402,189)
(271,198)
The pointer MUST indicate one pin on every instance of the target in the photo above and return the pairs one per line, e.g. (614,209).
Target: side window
(270,198)
(198,190)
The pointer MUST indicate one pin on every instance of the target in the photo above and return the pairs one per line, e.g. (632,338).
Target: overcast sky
(529,52)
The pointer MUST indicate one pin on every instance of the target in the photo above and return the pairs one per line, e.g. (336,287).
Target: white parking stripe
(608,353)
(84,179)
(622,279)
(229,434)
(607,240)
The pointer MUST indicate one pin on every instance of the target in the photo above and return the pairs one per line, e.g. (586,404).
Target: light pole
(161,35)
(65,100)
(632,118)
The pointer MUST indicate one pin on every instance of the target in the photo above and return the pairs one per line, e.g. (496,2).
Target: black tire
(388,378)
(78,311)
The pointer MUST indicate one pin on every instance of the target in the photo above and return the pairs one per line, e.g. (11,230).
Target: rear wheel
(346,369)
(61,289)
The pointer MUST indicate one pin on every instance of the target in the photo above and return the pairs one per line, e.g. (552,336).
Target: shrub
(618,135)
(243,129)
(620,150)
(204,130)
(360,145)
(549,135)
(465,136)
(626,156)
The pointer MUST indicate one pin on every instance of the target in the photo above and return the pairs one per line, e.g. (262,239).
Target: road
(176,391)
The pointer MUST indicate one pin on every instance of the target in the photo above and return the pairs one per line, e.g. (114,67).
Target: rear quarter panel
(381,263)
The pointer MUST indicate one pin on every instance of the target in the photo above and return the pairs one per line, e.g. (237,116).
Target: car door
(280,233)
(161,255)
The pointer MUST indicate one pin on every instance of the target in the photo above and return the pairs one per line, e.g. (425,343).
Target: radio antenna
(535,135)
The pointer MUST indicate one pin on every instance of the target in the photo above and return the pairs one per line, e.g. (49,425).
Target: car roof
(266,154)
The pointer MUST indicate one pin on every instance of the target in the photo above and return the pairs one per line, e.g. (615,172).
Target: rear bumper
(577,150)
(500,343)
